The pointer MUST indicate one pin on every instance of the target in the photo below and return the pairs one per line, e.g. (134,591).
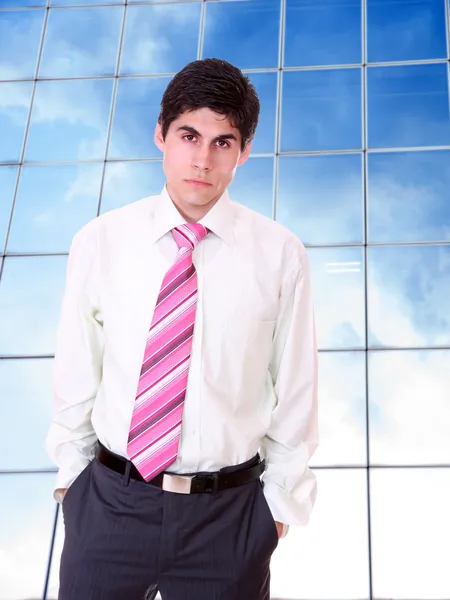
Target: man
(185,351)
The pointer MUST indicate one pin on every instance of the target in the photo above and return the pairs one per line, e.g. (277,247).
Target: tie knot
(189,235)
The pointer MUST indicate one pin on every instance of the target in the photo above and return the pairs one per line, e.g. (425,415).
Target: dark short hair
(215,84)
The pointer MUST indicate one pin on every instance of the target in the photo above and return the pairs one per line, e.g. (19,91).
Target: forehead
(207,122)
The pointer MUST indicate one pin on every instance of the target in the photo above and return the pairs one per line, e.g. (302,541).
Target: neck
(191,212)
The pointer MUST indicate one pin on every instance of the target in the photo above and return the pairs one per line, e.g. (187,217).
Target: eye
(223,144)
(190,137)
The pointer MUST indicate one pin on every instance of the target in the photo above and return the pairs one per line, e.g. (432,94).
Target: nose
(201,160)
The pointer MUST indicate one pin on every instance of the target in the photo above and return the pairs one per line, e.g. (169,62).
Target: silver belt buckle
(178,484)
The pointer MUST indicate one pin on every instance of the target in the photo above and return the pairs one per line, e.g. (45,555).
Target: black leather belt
(198,483)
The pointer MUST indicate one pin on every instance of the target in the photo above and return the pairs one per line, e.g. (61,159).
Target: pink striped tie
(156,422)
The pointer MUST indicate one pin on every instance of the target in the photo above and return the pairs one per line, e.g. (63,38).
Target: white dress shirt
(252,382)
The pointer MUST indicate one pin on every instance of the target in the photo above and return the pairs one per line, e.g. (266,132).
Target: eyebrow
(193,131)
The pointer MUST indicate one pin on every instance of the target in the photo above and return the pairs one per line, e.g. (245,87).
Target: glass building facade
(352,154)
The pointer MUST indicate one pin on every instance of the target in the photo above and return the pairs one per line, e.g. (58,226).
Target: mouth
(198,183)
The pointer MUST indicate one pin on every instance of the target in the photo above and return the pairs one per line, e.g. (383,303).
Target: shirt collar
(220,219)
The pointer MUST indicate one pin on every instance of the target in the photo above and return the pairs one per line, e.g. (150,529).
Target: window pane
(8,176)
(266,88)
(243,33)
(136,113)
(329,558)
(408,292)
(20,37)
(338,284)
(81,42)
(408,106)
(253,185)
(26,523)
(53,584)
(320,198)
(127,182)
(25,385)
(14,106)
(322,32)
(321,110)
(160,39)
(401,431)
(87,2)
(406,30)
(52,204)
(19,3)
(342,409)
(69,120)
(410,533)
(408,196)
(31,291)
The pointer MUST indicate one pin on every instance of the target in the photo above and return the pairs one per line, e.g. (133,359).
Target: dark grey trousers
(126,540)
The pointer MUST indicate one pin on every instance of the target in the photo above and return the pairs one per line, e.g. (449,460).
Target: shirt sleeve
(77,368)
(289,485)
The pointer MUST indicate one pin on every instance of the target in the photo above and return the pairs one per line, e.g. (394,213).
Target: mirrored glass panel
(81,42)
(266,88)
(52,204)
(329,558)
(127,182)
(342,409)
(408,106)
(244,33)
(410,533)
(320,198)
(20,38)
(20,3)
(8,176)
(14,107)
(138,104)
(338,285)
(406,30)
(26,523)
(408,290)
(322,32)
(253,185)
(25,387)
(81,2)
(408,196)
(321,110)
(31,291)
(160,38)
(69,120)
(401,430)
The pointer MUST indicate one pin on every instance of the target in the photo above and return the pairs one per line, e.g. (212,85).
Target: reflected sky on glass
(8,176)
(406,30)
(342,409)
(253,185)
(127,182)
(31,291)
(322,32)
(410,533)
(338,285)
(20,38)
(160,38)
(136,113)
(408,106)
(320,198)
(52,204)
(69,120)
(243,33)
(53,584)
(14,106)
(26,384)
(20,3)
(408,197)
(87,2)
(408,293)
(329,558)
(321,110)
(26,522)
(266,88)
(81,42)
(402,430)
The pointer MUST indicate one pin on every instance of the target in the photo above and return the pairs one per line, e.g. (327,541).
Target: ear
(245,154)
(158,138)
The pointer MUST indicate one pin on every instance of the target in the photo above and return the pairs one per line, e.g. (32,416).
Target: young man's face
(201,152)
